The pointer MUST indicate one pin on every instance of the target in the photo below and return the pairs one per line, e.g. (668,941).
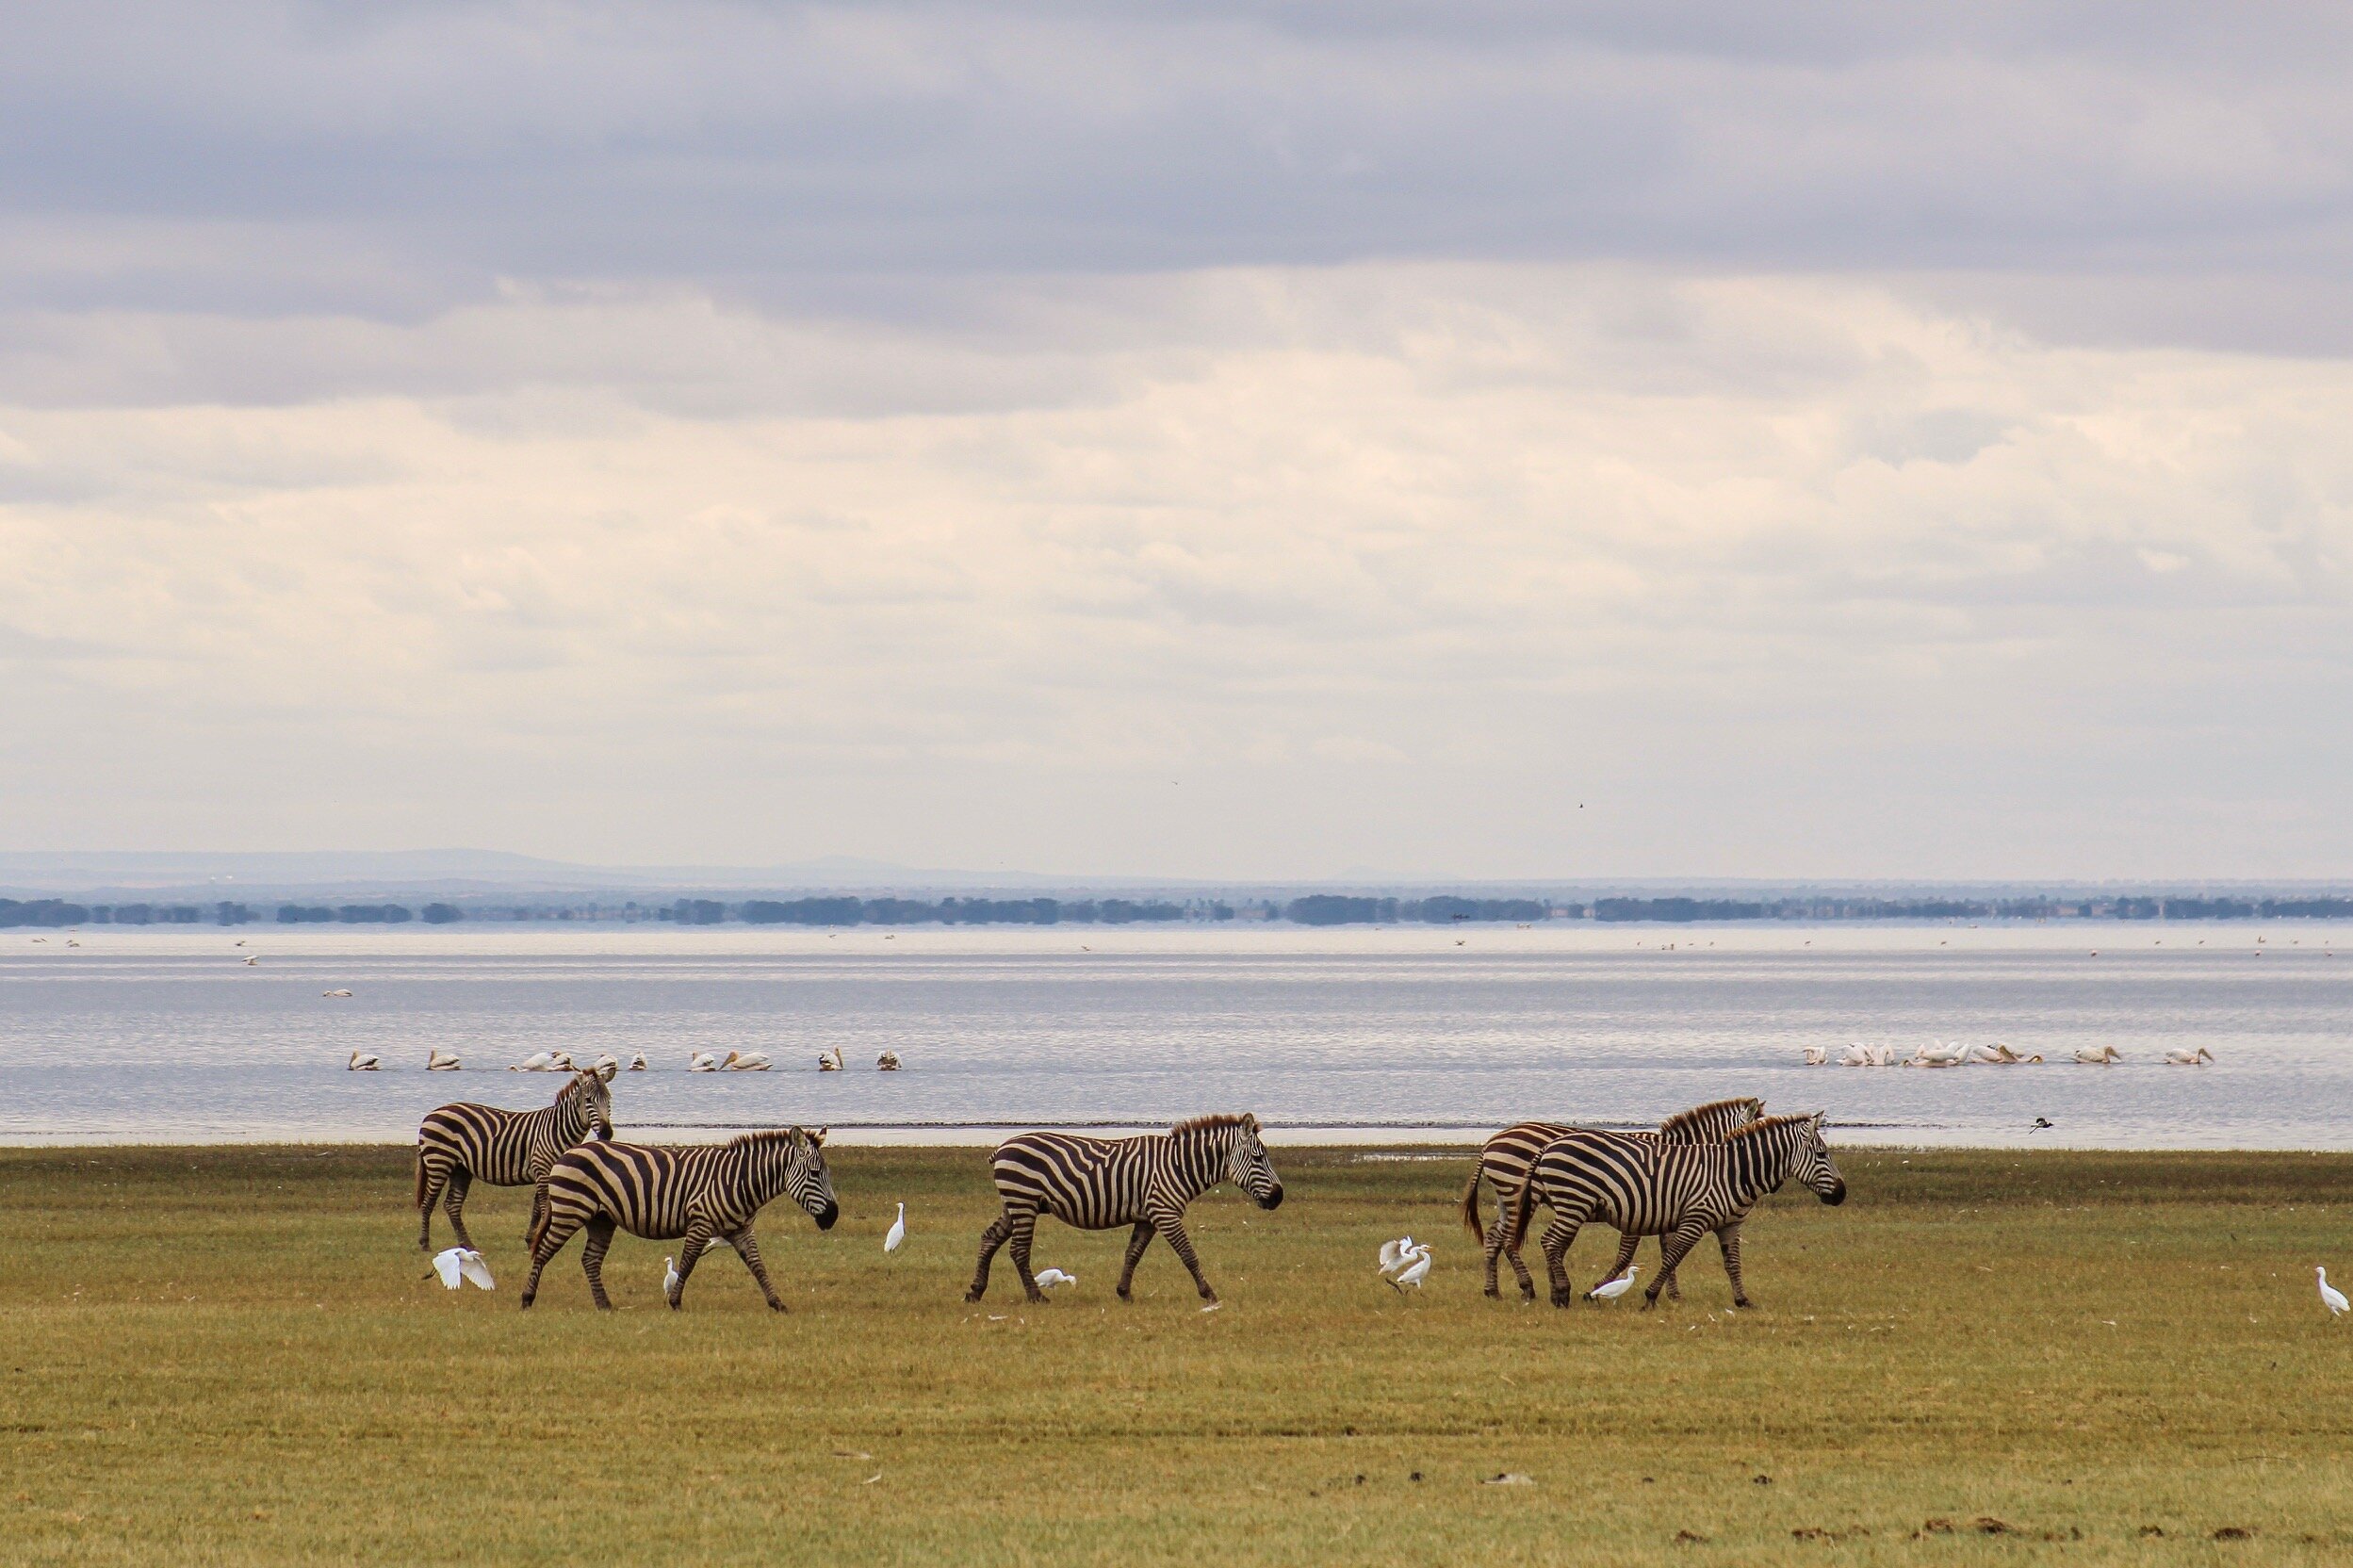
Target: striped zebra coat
(1097,1184)
(459,1145)
(1678,1192)
(1503,1163)
(697,1193)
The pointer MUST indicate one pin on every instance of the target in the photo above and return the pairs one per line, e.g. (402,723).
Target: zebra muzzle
(826,1215)
(1835,1195)
(1273,1198)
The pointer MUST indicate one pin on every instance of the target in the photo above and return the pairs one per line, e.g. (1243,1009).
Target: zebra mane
(772,1135)
(1700,1113)
(1766,1124)
(1208,1123)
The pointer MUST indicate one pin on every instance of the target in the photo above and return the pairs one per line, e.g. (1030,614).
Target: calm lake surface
(1410,1033)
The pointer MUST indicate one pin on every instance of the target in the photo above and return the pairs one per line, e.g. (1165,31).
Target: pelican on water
(440,1061)
(2189,1059)
(362,1062)
(745,1061)
(2100,1057)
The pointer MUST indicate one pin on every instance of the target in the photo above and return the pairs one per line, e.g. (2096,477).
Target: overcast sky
(1219,440)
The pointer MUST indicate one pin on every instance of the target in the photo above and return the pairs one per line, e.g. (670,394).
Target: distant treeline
(948,911)
(57,911)
(1336,909)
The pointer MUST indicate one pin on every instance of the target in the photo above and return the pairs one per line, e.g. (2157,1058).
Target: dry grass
(231,1356)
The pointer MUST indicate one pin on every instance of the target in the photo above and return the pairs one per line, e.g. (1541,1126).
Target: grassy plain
(232,1356)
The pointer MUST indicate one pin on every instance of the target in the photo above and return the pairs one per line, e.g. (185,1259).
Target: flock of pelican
(1996,1054)
(437,1060)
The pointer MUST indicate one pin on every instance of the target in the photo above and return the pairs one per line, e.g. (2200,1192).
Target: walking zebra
(698,1192)
(1503,1163)
(459,1145)
(1096,1183)
(1676,1191)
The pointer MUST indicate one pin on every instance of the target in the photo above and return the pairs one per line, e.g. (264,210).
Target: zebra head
(1812,1165)
(591,1104)
(807,1180)
(1248,1168)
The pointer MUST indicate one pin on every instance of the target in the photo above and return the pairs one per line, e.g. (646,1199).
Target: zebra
(1503,1163)
(459,1145)
(1097,1184)
(703,1193)
(1676,1191)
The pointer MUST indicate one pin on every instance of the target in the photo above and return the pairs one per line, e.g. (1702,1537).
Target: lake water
(1405,1034)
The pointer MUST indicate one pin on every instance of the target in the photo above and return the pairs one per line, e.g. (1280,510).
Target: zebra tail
(542,1210)
(421,1175)
(1470,1206)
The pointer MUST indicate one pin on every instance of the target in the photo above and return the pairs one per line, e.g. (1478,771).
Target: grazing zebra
(1504,1162)
(700,1192)
(1096,1183)
(1676,1191)
(459,1145)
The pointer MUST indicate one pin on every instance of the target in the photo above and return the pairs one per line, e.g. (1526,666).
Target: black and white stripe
(1504,1162)
(459,1145)
(1679,1192)
(1096,1183)
(691,1192)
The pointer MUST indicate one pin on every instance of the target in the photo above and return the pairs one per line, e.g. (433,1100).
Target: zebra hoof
(1493,1294)
(1743,1303)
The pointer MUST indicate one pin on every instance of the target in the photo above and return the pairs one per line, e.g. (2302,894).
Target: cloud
(1379,556)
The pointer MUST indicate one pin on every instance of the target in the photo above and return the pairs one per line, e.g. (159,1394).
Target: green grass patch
(236,1356)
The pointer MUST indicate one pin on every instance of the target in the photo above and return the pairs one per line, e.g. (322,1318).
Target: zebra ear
(818,1137)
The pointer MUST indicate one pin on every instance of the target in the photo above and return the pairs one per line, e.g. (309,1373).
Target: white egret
(897,1232)
(1395,1252)
(462,1264)
(1412,1277)
(440,1061)
(2189,1059)
(1609,1290)
(362,1062)
(669,1279)
(2330,1295)
(1049,1277)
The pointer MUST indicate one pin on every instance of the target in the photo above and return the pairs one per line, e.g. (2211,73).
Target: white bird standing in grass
(362,1062)
(1049,1277)
(2330,1295)
(897,1232)
(1412,1277)
(669,1279)
(464,1265)
(440,1061)
(2189,1059)
(1609,1290)
(1395,1252)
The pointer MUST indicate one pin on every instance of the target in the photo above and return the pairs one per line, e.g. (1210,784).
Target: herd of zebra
(1701,1172)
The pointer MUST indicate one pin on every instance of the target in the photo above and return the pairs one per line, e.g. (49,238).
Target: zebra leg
(593,1258)
(1025,1226)
(1138,1239)
(539,1206)
(690,1253)
(1672,1247)
(991,1240)
(1729,1240)
(1500,1240)
(460,1180)
(748,1250)
(552,1240)
(1182,1246)
(1559,1237)
(1666,1275)
(433,1178)
(1625,1255)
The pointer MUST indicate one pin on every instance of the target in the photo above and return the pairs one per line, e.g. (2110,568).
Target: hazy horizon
(1221,443)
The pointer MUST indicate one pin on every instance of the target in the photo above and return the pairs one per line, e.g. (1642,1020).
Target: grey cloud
(385,157)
